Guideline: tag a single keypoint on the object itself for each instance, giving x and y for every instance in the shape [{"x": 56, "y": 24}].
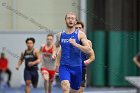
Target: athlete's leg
[
  {"x": 45, "y": 75},
  {"x": 76, "y": 79},
  {"x": 81, "y": 90},
  {"x": 84, "y": 80},
  {"x": 46, "y": 86},
  {"x": 27, "y": 86},
  {"x": 27, "y": 78},
  {"x": 51, "y": 78},
  {"x": 46, "y": 82},
  {"x": 65, "y": 86},
  {"x": 34, "y": 78},
  {"x": 50, "y": 86},
  {"x": 64, "y": 76}
]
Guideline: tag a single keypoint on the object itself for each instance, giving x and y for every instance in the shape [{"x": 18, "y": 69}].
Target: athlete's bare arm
[
  {"x": 40, "y": 50},
  {"x": 91, "y": 55},
  {"x": 38, "y": 57},
  {"x": 57, "y": 43},
  {"x": 58, "y": 59},
  {"x": 20, "y": 61},
  {"x": 85, "y": 46},
  {"x": 54, "y": 52},
  {"x": 135, "y": 59},
  {"x": 90, "y": 43}
]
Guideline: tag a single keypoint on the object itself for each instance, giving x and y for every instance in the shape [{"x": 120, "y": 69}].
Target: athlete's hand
[
  {"x": 30, "y": 64},
  {"x": 87, "y": 62},
  {"x": 72, "y": 41},
  {"x": 53, "y": 57}
]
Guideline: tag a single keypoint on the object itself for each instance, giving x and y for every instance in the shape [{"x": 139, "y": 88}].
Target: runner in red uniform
[{"x": 48, "y": 63}]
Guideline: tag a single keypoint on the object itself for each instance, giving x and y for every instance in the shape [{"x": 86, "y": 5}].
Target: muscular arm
[
  {"x": 57, "y": 43},
  {"x": 135, "y": 59},
  {"x": 90, "y": 43},
  {"x": 37, "y": 54},
  {"x": 91, "y": 57},
  {"x": 20, "y": 61},
  {"x": 54, "y": 52},
  {"x": 40, "y": 50},
  {"x": 85, "y": 46},
  {"x": 58, "y": 57}
]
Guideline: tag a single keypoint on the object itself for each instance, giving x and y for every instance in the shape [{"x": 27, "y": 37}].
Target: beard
[{"x": 70, "y": 26}]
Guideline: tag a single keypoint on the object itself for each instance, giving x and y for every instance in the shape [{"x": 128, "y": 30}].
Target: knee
[
  {"x": 81, "y": 90},
  {"x": 45, "y": 75},
  {"x": 65, "y": 85},
  {"x": 28, "y": 83}
]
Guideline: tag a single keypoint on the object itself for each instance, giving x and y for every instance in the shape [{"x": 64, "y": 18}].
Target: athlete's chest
[
  {"x": 47, "y": 52},
  {"x": 65, "y": 39},
  {"x": 28, "y": 56}
]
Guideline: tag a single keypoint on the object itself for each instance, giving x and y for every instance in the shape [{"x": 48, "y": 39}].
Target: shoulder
[
  {"x": 23, "y": 52},
  {"x": 43, "y": 45},
  {"x": 81, "y": 35},
  {"x": 58, "y": 34},
  {"x": 36, "y": 51}
]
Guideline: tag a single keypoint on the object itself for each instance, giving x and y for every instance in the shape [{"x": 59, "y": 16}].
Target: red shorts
[{"x": 50, "y": 72}]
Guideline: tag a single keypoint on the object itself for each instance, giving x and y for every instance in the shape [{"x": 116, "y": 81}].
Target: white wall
[
  {"x": 14, "y": 44},
  {"x": 49, "y": 13}
]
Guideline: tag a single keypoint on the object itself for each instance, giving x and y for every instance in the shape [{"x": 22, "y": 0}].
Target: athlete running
[
  {"x": 70, "y": 70},
  {"x": 32, "y": 59},
  {"x": 48, "y": 62}
]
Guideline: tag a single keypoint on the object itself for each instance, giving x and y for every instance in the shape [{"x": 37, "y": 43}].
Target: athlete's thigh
[
  {"x": 27, "y": 75},
  {"x": 76, "y": 77},
  {"x": 35, "y": 77},
  {"x": 64, "y": 73},
  {"x": 45, "y": 73}
]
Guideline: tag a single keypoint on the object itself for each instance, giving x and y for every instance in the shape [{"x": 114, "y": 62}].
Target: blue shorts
[
  {"x": 71, "y": 73},
  {"x": 31, "y": 75}
]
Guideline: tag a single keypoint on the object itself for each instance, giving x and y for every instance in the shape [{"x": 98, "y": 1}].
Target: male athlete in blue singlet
[
  {"x": 70, "y": 70},
  {"x": 32, "y": 58},
  {"x": 86, "y": 59}
]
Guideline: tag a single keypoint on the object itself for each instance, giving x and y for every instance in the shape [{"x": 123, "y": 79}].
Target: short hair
[
  {"x": 50, "y": 35},
  {"x": 72, "y": 13},
  {"x": 81, "y": 23},
  {"x": 30, "y": 38}
]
